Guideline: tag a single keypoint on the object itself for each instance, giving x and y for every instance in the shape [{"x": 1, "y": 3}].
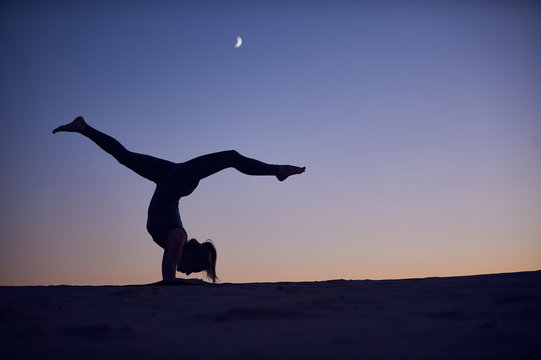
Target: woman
[{"x": 174, "y": 181}]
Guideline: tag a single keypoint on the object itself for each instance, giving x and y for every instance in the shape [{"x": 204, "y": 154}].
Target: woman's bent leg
[{"x": 206, "y": 165}]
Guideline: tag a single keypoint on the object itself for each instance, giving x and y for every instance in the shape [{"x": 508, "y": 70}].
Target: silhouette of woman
[{"x": 173, "y": 181}]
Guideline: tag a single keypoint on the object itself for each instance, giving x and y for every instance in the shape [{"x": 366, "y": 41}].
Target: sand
[{"x": 472, "y": 317}]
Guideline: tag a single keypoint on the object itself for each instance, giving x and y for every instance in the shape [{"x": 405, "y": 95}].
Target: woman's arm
[
  {"x": 179, "y": 281},
  {"x": 174, "y": 245}
]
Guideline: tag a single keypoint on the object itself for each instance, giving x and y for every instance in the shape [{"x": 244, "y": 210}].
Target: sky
[{"x": 419, "y": 123}]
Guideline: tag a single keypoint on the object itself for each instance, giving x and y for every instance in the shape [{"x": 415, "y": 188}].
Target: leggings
[{"x": 154, "y": 169}]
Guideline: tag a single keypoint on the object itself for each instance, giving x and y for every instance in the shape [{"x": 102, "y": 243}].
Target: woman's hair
[
  {"x": 206, "y": 254},
  {"x": 211, "y": 256}
]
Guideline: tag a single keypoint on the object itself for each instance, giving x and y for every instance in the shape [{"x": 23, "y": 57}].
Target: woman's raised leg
[
  {"x": 147, "y": 166},
  {"x": 206, "y": 165}
]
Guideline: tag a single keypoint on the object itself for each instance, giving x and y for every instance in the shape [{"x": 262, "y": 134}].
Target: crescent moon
[{"x": 239, "y": 42}]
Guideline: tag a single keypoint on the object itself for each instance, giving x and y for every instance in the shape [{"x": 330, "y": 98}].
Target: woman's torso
[{"x": 163, "y": 211}]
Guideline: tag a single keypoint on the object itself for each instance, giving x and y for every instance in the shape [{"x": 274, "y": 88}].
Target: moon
[{"x": 239, "y": 42}]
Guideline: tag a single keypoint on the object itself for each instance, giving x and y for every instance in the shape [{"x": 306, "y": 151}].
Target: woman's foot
[
  {"x": 285, "y": 171},
  {"x": 76, "y": 125}
]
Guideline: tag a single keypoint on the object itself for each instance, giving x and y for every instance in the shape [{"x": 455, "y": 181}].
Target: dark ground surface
[{"x": 472, "y": 317}]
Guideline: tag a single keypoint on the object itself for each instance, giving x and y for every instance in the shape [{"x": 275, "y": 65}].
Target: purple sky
[{"x": 419, "y": 124}]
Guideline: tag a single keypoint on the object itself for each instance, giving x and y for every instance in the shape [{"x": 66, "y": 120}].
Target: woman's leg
[
  {"x": 147, "y": 166},
  {"x": 206, "y": 165}
]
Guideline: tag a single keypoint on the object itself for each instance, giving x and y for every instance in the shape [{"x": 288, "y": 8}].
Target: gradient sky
[{"x": 419, "y": 123}]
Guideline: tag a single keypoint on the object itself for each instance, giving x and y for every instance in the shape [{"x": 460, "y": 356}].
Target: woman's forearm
[{"x": 171, "y": 256}]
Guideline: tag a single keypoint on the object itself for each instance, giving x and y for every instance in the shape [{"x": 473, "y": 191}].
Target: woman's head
[{"x": 198, "y": 257}]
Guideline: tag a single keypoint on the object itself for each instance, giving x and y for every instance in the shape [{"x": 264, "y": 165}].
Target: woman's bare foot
[
  {"x": 76, "y": 125},
  {"x": 286, "y": 171}
]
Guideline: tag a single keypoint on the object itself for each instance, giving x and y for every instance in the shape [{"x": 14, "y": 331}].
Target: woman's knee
[
  {"x": 124, "y": 157},
  {"x": 233, "y": 157},
  {"x": 233, "y": 153}
]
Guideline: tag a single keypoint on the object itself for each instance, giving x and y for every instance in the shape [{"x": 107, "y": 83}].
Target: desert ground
[{"x": 471, "y": 317}]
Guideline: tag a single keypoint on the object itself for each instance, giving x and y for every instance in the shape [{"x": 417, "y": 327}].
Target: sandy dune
[{"x": 474, "y": 317}]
